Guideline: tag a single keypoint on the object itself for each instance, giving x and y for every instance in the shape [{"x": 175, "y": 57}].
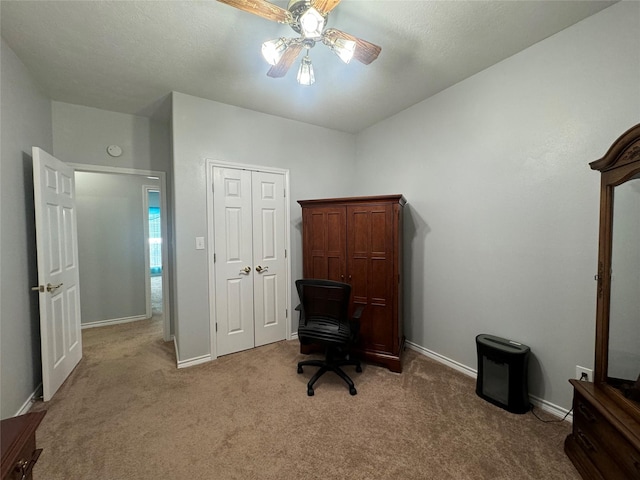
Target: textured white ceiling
[{"x": 126, "y": 56}]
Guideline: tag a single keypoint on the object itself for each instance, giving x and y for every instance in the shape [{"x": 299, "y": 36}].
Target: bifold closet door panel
[
  {"x": 270, "y": 266},
  {"x": 233, "y": 237}
]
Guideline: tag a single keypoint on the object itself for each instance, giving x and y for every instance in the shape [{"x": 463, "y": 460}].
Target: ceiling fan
[{"x": 309, "y": 19}]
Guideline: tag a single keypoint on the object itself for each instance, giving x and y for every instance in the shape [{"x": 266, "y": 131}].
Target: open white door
[{"x": 58, "y": 281}]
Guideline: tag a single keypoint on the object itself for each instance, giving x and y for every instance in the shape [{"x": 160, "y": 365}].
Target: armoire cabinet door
[
  {"x": 324, "y": 232},
  {"x": 370, "y": 272}
]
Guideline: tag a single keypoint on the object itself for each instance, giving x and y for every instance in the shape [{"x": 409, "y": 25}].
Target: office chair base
[{"x": 333, "y": 366}]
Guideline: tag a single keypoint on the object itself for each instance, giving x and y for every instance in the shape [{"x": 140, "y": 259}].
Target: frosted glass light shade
[
  {"x": 273, "y": 50},
  {"x": 311, "y": 23},
  {"x": 344, "y": 49},
  {"x": 305, "y": 72}
]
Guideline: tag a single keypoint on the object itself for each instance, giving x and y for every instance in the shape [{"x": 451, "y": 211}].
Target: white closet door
[
  {"x": 269, "y": 281},
  {"x": 234, "y": 263},
  {"x": 250, "y": 265}
]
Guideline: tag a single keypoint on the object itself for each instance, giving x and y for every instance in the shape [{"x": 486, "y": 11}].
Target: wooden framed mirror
[
  {"x": 605, "y": 441},
  {"x": 617, "y": 356}
]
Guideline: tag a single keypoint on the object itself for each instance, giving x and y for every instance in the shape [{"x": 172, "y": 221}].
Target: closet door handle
[
  {"x": 261, "y": 269},
  {"x": 246, "y": 270}
]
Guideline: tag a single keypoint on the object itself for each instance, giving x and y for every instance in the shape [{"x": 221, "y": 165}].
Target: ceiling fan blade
[
  {"x": 281, "y": 68},
  {"x": 324, "y": 6},
  {"x": 366, "y": 52},
  {"x": 262, "y": 8}
]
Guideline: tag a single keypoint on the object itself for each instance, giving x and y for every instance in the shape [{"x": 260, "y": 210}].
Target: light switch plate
[{"x": 199, "y": 243}]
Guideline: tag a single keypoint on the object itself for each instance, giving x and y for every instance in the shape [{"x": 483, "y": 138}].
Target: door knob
[
  {"x": 246, "y": 270},
  {"x": 49, "y": 288},
  {"x": 261, "y": 269},
  {"x": 53, "y": 288}
]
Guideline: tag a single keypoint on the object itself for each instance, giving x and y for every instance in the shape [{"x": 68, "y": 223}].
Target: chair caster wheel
[
  {"x": 358, "y": 369},
  {"x": 353, "y": 390},
  {"x": 310, "y": 392},
  {"x": 299, "y": 369}
]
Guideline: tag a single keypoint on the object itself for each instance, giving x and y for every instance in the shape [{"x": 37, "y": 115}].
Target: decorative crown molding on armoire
[{"x": 358, "y": 240}]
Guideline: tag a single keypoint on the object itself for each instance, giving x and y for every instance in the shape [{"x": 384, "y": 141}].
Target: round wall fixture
[{"x": 114, "y": 150}]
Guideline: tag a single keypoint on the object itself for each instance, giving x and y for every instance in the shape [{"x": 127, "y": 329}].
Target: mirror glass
[{"x": 624, "y": 311}]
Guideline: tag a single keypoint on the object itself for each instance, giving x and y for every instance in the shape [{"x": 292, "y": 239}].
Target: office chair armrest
[
  {"x": 358, "y": 313},
  {"x": 354, "y": 322}
]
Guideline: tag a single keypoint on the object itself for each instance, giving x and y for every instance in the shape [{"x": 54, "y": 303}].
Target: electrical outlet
[{"x": 583, "y": 373}]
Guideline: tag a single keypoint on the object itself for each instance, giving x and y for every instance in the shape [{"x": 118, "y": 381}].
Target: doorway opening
[
  {"x": 147, "y": 189},
  {"x": 153, "y": 236}
]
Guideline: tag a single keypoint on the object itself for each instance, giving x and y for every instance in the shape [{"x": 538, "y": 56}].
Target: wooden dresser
[
  {"x": 19, "y": 453},
  {"x": 358, "y": 240},
  {"x": 604, "y": 443}
]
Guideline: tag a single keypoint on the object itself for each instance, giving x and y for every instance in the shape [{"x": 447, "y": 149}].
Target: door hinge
[
  {"x": 214, "y": 258},
  {"x": 216, "y": 327},
  {"x": 285, "y": 253},
  {"x": 212, "y": 188},
  {"x": 286, "y": 313}
]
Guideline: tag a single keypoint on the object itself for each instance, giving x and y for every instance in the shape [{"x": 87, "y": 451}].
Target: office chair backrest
[{"x": 324, "y": 299}]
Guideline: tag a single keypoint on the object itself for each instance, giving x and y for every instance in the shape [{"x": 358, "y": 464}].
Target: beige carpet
[{"x": 126, "y": 412}]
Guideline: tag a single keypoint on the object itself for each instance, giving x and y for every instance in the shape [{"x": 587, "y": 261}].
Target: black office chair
[{"x": 324, "y": 320}]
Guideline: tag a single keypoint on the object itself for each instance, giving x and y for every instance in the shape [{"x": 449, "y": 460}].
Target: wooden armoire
[{"x": 358, "y": 240}]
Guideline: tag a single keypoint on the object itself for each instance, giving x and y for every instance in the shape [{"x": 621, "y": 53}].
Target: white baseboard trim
[
  {"x": 175, "y": 346},
  {"x": 442, "y": 359},
  {"x": 113, "y": 321},
  {"x": 293, "y": 336},
  {"x": 191, "y": 362},
  {"x": 551, "y": 408},
  {"x": 538, "y": 402},
  {"x": 26, "y": 406}
]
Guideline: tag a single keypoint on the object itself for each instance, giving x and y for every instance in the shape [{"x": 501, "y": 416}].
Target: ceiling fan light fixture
[
  {"x": 272, "y": 50},
  {"x": 305, "y": 72},
  {"x": 311, "y": 23},
  {"x": 344, "y": 49}
]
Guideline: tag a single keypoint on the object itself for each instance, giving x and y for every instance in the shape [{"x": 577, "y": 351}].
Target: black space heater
[{"x": 502, "y": 373}]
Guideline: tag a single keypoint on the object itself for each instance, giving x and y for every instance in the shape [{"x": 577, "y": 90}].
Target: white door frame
[
  {"x": 210, "y": 164},
  {"x": 162, "y": 179}
]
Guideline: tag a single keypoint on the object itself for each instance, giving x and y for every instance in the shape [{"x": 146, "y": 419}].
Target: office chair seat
[{"x": 324, "y": 321}]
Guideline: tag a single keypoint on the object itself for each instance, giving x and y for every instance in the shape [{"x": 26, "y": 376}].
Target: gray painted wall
[
  {"x": 111, "y": 246},
  {"x": 25, "y": 122},
  {"x": 82, "y": 135},
  {"x": 501, "y": 234},
  {"x": 320, "y": 163}
]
